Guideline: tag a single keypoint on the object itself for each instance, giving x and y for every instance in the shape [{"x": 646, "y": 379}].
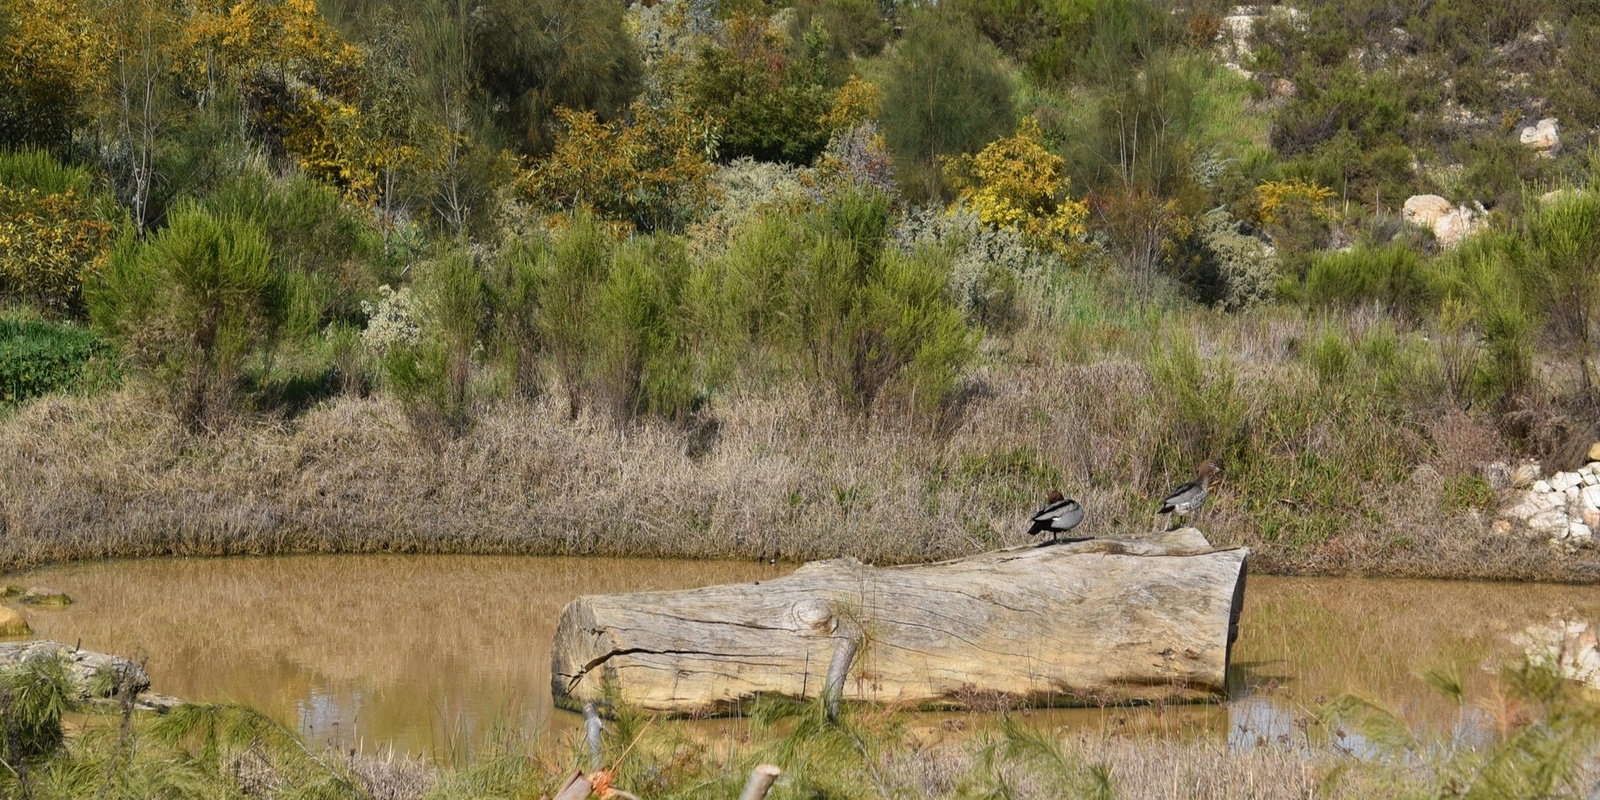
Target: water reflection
[{"x": 429, "y": 653}]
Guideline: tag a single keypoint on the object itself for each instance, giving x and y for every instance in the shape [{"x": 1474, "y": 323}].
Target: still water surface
[{"x": 427, "y": 654}]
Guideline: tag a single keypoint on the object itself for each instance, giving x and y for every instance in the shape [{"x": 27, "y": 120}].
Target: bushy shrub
[
  {"x": 1391, "y": 276},
  {"x": 770, "y": 102},
  {"x": 996, "y": 278},
  {"x": 569, "y": 287},
  {"x": 431, "y": 376},
  {"x": 1228, "y": 267},
  {"x": 872, "y": 316},
  {"x": 945, "y": 91},
  {"x": 643, "y": 364},
  {"x": 653, "y": 173},
  {"x": 742, "y": 189},
  {"x": 53, "y": 232},
  {"x": 1484, "y": 283},
  {"x": 195, "y": 302},
  {"x": 329, "y": 252},
  {"x": 1016, "y": 184},
  {"x": 37, "y": 358}
]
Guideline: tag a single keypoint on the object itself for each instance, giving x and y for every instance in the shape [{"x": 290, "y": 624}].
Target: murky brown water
[{"x": 429, "y": 653}]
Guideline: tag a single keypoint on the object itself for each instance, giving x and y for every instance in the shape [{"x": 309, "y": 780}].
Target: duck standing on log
[
  {"x": 1059, "y": 516},
  {"x": 1187, "y": 499}
]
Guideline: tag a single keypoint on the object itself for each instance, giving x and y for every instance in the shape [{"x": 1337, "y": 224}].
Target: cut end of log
[{"x": 1091, "y": 622}]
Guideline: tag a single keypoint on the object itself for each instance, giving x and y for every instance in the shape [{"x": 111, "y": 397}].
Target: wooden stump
[{"x": 1090, "y": 622}]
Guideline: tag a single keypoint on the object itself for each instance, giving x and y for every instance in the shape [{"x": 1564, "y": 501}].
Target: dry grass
[{"x": 786, "y": 474}]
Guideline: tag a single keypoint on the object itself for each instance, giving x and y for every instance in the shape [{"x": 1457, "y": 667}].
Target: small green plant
[
  {"x": 37, "y": 358},
  {"x": 1392, "y": 277}
]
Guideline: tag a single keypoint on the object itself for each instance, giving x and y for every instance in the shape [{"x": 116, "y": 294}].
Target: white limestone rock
[
  {"x": 1541, "y": 487},
  {"x": 1591, "y": 497},
  {"x": 1542, "y": 137}
]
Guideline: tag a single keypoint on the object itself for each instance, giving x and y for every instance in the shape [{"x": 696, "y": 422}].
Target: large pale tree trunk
[{"x": 1089, "y": 622}]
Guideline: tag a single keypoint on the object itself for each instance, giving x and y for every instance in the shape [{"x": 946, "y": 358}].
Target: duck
[
  {"x": 1185, "y": 500},
  {"x": 1059, "y": 516}
]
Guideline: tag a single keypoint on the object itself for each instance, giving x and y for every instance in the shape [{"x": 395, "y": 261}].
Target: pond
[{"x": 430, "y": 654}]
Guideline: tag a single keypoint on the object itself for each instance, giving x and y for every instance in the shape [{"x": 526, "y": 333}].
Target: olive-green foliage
[
  {"x": 514, "y": 287},
  {"x": 853, "y": 29},
  {"x": 1564, "y": 237},
  {"x": 1391, "y": 276},
  {"x": 1207, "y": 416},
  {"x": 432, "y": 377},
  {"x": 870, "y": 315},
  {"x": 1498, "y": 167},
  {"x": 1088, "y": 41},
  {"x": 1350, "y": 127},
  {"x": 54, "y": 231},
  {"x": 945, "y": 91},
  {"x": 531, "y": 58},
  {"x": 328, "y": 252},
  {"x": 831, "y": 295},
  {"x": 569, "y": 288},
  {"x": 644, "y": 365},
  {"x": 1485, "y": 281},
  {"x": 195, "y": 302},
  {"x": 37, "y": 358},
  {"x": 769, "y": 98},
  {"x": 1224, "y": 266}
]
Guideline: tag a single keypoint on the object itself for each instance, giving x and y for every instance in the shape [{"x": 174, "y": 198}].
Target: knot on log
[{"x": 814, "y": 614}]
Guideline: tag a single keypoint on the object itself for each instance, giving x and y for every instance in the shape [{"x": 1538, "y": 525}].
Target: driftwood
[{"x": 1087, "y": 622}]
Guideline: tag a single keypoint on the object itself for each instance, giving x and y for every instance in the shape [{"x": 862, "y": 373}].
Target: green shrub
[
  {"x": 945, "y": 91},
  {"x": 37, "y": 358},
  {"x": 1485, "y": 281},
  {"x": 34, "y": 696},
  {"x": 329, "y": 253},
  {"x": 1391, "y": 276},
  {"x": 643, "y": 365},
  {"x": 195, "y": 302},
  {"x": 1226, "y": 267},
  {"x": 770, "y": 102},
  {"x": 31, "y": 168},
  {"x": 569, "y": 285},
  {"x": 431, "y": 377}
]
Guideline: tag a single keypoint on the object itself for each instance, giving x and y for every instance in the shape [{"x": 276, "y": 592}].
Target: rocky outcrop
[
  {"x": 12, "y": 623},
  {"x": 97, "y": 676},
  {"x": 44, "y": 596},
  {"x": 1542, "y": 137},
  {"x": 1565, "y": 507},
  {"x": 1450, "y": 224}
]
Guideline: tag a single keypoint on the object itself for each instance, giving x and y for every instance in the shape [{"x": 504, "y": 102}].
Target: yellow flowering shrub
[
  {"x": 654, "y": 173},
  {"x": 49, "y": 243},
  {"x": 856, "y": 102},
  {"x": 1280, "y": 198},
  {"x": 50, "y": 68},
  {"x": 1015, "y": 183}
]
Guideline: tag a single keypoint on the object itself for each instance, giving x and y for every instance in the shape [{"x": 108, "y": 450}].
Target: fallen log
[{"x": 1091, "y": 622}]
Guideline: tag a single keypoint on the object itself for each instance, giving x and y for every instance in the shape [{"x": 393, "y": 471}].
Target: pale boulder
[
  {"x": 12, "y": 623},
  {"x": 1423, "y": 210},
  {"x": 1594, "y": 452},
  {"x": 1542, "y": 137},
  {"x": 1591, "y": 497}
]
